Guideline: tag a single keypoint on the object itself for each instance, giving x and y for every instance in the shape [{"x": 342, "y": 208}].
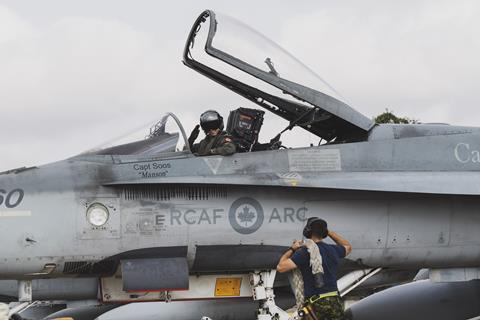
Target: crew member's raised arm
[
  {"x": 286, "y": 264},
  {"x": 340, "y": 241}
]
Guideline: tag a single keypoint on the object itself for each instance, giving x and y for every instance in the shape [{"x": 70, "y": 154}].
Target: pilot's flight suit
[{"x": 220, "y": 144}]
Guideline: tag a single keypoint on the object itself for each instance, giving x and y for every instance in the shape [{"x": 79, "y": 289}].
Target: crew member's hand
[
  {"x": 194, "y": 135},
  {"x": 275, "y": 143},
  {"x": 297, "y": 244},
  {"x": 338, "y": 239}
]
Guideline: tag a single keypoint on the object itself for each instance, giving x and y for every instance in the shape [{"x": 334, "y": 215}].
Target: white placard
[
  {"x": 314, "y": 160},
  {"x": 16, "y": 213}
]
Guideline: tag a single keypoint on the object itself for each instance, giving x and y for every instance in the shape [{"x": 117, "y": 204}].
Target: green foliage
[{"x": 389, "y": 117}]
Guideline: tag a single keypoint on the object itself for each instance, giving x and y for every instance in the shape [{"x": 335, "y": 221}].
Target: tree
[{"x": 389, "y": 117}]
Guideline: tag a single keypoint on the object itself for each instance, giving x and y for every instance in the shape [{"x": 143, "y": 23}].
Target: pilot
[
  {"x": 216, "y": 141},
  {"x": 318, "y": 269}
]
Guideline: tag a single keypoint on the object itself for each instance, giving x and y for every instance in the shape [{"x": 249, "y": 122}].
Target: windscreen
[{"x": 163, "y": 135}]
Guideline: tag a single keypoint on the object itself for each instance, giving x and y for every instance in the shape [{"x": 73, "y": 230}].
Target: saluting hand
[{"x": 194, "y": 135}]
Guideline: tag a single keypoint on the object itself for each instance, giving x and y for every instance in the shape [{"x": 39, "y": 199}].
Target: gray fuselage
[{"x": 407, "y": 202}]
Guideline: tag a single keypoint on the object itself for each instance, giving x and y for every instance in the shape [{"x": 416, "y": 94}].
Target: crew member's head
[
  {"x": 315, "y": 227},
  {"x": 211, "y": 122}
]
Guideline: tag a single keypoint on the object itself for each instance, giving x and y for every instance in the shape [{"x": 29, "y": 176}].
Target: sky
[{"x": 74, "y": 74}]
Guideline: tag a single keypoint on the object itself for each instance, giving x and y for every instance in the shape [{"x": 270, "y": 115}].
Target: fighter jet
[{"x": 147, "y": 220}]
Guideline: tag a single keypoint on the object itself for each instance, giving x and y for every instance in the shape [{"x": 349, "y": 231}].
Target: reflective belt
[{"x": 317, "y": 297}]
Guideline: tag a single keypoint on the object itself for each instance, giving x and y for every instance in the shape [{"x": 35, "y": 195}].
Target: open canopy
[{"x": 300, "y": 96}]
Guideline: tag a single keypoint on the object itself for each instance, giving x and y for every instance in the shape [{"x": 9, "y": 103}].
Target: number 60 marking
[{"x": 12, "y": 198}]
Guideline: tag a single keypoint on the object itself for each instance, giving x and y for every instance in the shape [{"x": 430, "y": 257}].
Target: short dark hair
[{"x": 320, "y": 228}]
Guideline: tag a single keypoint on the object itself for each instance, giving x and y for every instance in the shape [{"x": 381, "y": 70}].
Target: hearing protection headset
[{"x": 307, "y": 231}]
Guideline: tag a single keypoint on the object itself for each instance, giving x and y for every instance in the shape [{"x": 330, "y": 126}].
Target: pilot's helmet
[{"x": 211, "y": 119}]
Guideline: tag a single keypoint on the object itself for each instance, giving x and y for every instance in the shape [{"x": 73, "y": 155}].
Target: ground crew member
[
  {"x": 216, "y": 141},
  {"x": 324, "y": 301}
]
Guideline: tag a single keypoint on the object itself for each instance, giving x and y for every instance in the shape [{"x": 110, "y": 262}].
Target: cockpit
[
  {"x": 167, "y": 135},
  {"x": 248, "y": 63}
]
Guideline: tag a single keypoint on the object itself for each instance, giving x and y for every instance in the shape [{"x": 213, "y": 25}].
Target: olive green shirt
[{"x": 220, "y": 144}]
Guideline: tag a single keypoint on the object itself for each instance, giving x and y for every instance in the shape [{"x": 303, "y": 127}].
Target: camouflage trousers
[{"x": 328, "y": 308}]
